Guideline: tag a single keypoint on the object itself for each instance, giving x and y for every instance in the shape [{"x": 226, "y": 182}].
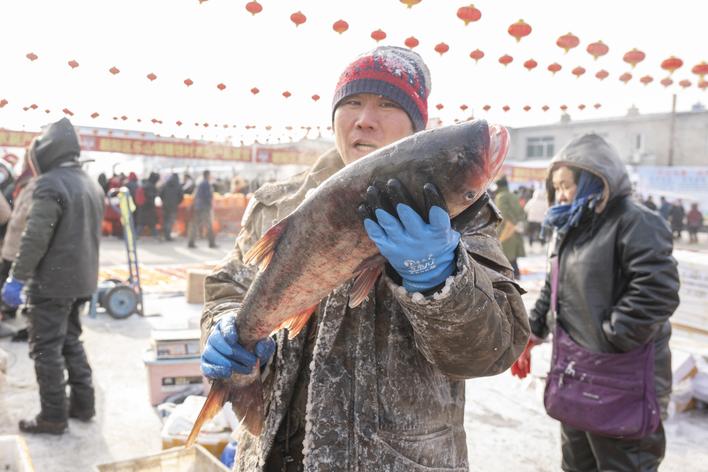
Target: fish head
[{"x": 473, "y": 153}]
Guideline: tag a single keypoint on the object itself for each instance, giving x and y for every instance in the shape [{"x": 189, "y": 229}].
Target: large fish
[{"x": 322, "y": 243}]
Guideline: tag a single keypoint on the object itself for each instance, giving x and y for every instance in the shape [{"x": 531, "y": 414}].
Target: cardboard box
[
  {"x": 175, "y": 343},
  {"x": 169, "y": 376},
  {"x": 14, "y": 455},
  {"x": 195, "y": 285},
  {"x": 179, "y": 459}
]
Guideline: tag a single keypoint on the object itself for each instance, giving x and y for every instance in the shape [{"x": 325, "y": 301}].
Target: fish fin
[
  {"x": 247, "y": 403},
  {"x": 296, "y": 323},
  {"x": 215, "y": 400},
  {"x": 366, "y": 275},
  {"x": 262, "y": 252}
]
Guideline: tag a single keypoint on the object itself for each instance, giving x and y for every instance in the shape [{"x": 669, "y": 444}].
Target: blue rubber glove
[
  {"x": 12, "y": 292},
  {"x": 223, "y": 355},
  {"x": 422, "y": 253}
]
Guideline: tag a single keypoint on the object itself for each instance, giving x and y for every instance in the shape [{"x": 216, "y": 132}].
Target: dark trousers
[
  {"x": 169, "y": 215},
  {"x": 201, "y": 218},
  {"x": 54, "y": 329},
  {"x": 586, "y": 452}
]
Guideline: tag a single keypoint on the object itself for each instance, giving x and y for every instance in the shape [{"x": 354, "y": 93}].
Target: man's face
[
  {"x": 366, "y": 122},
  {"x": 564, "y": 185}
]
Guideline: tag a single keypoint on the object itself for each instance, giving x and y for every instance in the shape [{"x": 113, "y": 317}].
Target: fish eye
[{"x": 469, "y": 196}]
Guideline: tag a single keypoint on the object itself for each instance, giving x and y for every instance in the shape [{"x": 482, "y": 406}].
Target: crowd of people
[
  {"x": 678, "y": 218},
  {"x": 153, "y": 192}
]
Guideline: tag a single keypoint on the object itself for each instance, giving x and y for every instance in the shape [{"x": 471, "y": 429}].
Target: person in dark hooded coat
[
  {"x": 171, "y": 194},
  {"x": 617, "y": 287},
  {"x": 65, "y": 219},
  {"x": 147, "y": 211}
]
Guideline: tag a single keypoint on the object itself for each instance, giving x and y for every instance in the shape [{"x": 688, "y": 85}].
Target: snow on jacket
[
  {"x": 386, "y": 387},
  {"x": 618, "y": 282}
]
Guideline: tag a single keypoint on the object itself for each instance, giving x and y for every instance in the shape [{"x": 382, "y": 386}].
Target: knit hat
[{"x": 396, "y": 73}]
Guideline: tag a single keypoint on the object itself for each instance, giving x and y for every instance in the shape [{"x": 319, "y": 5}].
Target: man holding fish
[{"x": 375, "y": 325}]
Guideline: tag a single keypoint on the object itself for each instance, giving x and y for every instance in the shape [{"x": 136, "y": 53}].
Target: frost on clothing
[{"x": 385, "y": 389}]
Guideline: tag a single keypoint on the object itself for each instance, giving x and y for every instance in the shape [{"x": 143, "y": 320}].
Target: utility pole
[{"x": 671, "y": 130}]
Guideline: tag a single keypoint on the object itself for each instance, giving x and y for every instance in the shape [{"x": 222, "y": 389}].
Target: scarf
[{"x": 567, "y": 216}]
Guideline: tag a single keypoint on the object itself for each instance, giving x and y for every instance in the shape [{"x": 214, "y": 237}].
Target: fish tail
[
  {"x": 247, "y": 402},
  {"x": 498, "y": 147},
  {"x": 215, "y": 400}
]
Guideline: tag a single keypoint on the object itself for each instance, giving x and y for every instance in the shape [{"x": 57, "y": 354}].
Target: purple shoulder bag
[{"x": 609, "y": 394}]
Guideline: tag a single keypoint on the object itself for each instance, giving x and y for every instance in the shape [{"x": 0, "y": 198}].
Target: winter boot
[{"x": 37, "y": 425}]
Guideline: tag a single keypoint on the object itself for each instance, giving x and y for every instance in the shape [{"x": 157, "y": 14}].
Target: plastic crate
[{"x": 179, "y": 459}]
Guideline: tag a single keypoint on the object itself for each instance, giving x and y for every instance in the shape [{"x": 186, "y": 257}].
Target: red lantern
[
  {"x": 647, "y": 79},
  {"x": 469, "y": 14},
  {"x": 581, "y": 107},
  {"x": 626, "y": 77},
  {"x": 564, "y": 107},
  {"x": 123, "y": 117},
  {"x": 3, "y": 102},
  {"x": 298, "y": 18},
  {"x": 188, "y": 82},
  {"x": 340, "y": 26},
  {"x": 486, "y": 107},
  {"x": 378, "y": 35},
  {"x": 634, "y": 57},
  {"x": 221, "y": 87},
  {"x": 411, "y": 42},
  {"x": 506, "y": 108},
  {"x": 519, "y": 30},
  {"x": 578, "y": 71},
  {"x": 700, "y": 69},
  {"x": 68, "y": 112},
  {"x": 555, "y": 67},
  {"x": 477, "y": 54},
  {"x": 34, "y": 106},
  {"x": 255, "y": 90},
  {"x": 685, "y": 83},
  {"x": 602, "y": 74},
  {"x": 530, "y": 64},
  {"x": 527, "y": 108},
  {"x": 567, "y": 42},
  {"x": 410, "y": 3},
  {"x": 151, "y": 76},
  {"x": 315, "y": 97},
  {"x": 114, "y": 70},
  {"x": 671, "y": 64},
  {"x": 666, "y": 81},
  {"x": 597, "y": 106},
  {"x": 178, "y": 123},
  {"x": 597, "y": 49},
  {"x": 94, "y": 115},
  {"x": 463, "y": 107},
  {"x": 441, "y": 48},
  {"x": 545, "y": 108},
  {"x": 439, "y": 106},
  {"x": 505, "y": 60},
  {"x": 73, "y": 64},
  {"x": 31, "y": 56},
  {"x": 286, "y": 94},
  {"x": 254, "y": 7},
  {"x": 703, "y": 84}
]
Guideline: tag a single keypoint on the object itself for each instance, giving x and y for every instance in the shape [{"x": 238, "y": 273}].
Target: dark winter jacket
[
  {"x": 379, "y": 387},
  {"x": 203, "y": 196},
  {"x": 618, "y": 283},
  {"x": 64, "y": 221},
  {"x": 171, "y": 193},
  {"x": 147, "y": 212}
]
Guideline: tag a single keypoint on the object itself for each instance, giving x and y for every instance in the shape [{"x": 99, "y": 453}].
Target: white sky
[{"x": 219, "y": 41}]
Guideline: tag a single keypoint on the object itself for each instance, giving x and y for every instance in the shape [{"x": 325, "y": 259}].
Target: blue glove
[
  {"x": 223, "y": 355},
  {"x": 12, "y": 292},
  {"x": 422, "y": 253}
]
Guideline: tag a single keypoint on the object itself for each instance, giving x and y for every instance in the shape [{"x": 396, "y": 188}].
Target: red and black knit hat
[{"x": 396, "y": 73}]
